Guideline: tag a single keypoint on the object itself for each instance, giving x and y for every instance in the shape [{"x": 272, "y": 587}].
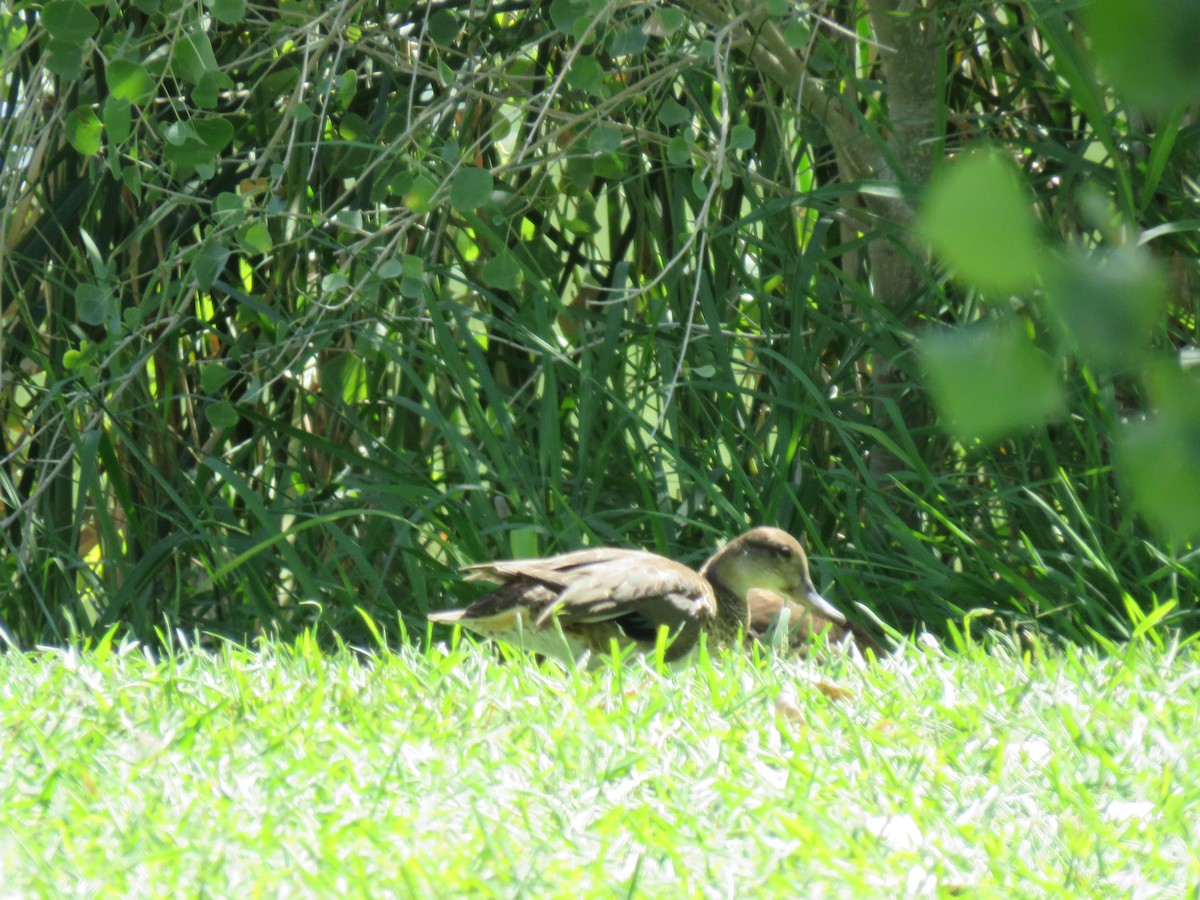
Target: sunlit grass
[{"x": 447, "y": 773}]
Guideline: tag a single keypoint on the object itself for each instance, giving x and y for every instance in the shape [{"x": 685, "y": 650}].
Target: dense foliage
[{"x": 304, "y": 304}]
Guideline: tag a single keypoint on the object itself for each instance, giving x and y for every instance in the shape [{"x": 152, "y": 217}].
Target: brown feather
[
  {"x": 804, "y": 625},
  {"x": 582, "y": 601}
]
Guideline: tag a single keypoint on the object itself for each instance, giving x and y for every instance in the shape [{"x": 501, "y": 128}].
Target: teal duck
[{"x": 578, "y": 604}]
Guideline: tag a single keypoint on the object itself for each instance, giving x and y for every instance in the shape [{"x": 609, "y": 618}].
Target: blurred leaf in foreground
[
  {"x": 979, "y": 220},
  {"x": 1148, "y": 49},
  {"x": 1108, "y": 304},
  {"x": 989, "y": 380},
  {"x": 1160, "y": 456}
]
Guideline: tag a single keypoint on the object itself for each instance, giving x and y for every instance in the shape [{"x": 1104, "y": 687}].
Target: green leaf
[
  {"x": 989, "y": 380},
  {"x": 353, "y": 127},
  {"x": 587, "y": 75},
  {"x": 70, "y": 22},
  {"x": 93, "y": 303},
  {"x": 84, "y": 130},
  {"x": 502, "y": 271},
  {"x": 214, "y": 376},
  {"x": 978, "y": 218},
  {"x": 197, "y": 143},
  {"x": 451, "y": 150},
  {"x": 584, "y": 223},
  {"x": 443, "y": 27},
  {"x": 672, "y": 113},
  {"x": 227, "y": 12},
  {"x": 1159, "y": 458},
  {"x": 215, "y": 132},
  {"x": 563, "y": 14},
  {"x": 579, "y": 172},
  {"x": 608, "y": 165},
  {"x": 471, "y": 188},
  {"x": 1108, "y": 304},
  {"x": 221, "y": 414},
  {"x": 1148, "y": 49},
  {"x": 187, "y": 156},
  {"x": 129, "y": 81},
  {"x": 797, "y": 35},
  {"x": 228, "y": 209},
  {"x": 118, "y": 119},
  {"x": 742, "y": 137},
  {"x": 420, "y": 195},
  {"x": 389, "y": 268},
  {"x": 414, "y": 266},
  {"x": 343, "y": 378},
  {"x": 192, "y": 56},
  {"x": 665, "y": 21},
  {"x": 604, "y": 139},
  {"x": 401, "y": 182},
  {"x": 209, "y": 264},
  {"x": 332, "y": 282},
  {"x": 412, "y": 288},
  {"x": 629, "y": 42},
  {"x": 179, "y": 133},
  {"x": 256, "y": 238},
  {"x": 13, "y": 32},
  {"x": 208, "y": 89},
  {"x": 679, "y": 151},
  {"x": 65, "y": 59},
  {"x": 131, "y": 176}
]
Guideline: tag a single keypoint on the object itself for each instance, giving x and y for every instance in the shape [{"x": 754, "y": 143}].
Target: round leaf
[
  {"x": 587, "y": 75},
  {"x": 70, "y": 22},
  {"x": 471, "y": 188},
  {"x": 979, "y": 220},
  {"x": 443, "y": 27},
  {"x": 1108, "y": 304},
  {"x": 502, "y": 271},
  {"x": 129, "y": 81},
  {"x": 221, "y": 414},
  {"x": 213, "y": 377},
  {"x": 990, "y": 380},
  {"x": 604, "y": 139},
  {"x": 93, "y": 303},
  {"x": 227, "y": 12},
  {"x": 84, "y": 130},
  {"x": 256, "y": 238},
  {"x": 742, "y": 137},
  {"x": 1148, "y": 49}
]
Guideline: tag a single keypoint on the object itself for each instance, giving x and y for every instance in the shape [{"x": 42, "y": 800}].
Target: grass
[{"x": 292, "y": 770}]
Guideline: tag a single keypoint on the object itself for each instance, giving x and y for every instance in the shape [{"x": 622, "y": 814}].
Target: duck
[{"x": 574, "y": 606}]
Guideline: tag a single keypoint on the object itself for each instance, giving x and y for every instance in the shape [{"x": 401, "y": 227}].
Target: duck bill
[{"x": 823, "y": 607}]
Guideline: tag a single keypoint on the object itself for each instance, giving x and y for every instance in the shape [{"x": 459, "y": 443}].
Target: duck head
[{"x": 765, "y": 561}]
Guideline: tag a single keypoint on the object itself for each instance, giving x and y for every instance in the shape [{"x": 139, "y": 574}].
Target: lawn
[{"x": 291, "y": 770}]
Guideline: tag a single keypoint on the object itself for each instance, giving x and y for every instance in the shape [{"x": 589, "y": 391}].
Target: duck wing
[
  {"x": 597, "y": 594},
  {"x": 551, "y": 570},
  {"x": 633, "y": 584}
]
